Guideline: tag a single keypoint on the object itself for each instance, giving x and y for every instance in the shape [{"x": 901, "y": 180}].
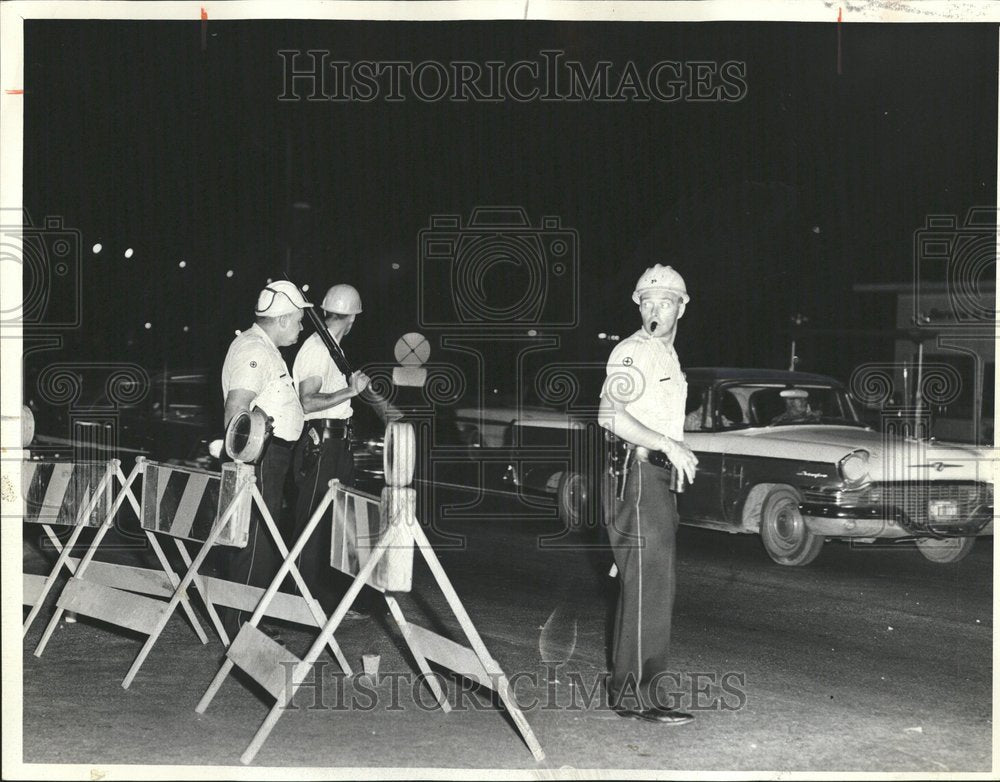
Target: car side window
[{"x": 694, "y": 409}]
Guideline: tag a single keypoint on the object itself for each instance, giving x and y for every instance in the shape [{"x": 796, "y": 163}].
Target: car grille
[{"x": 914, "y": 498}]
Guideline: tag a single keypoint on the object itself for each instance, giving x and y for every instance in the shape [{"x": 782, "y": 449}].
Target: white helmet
[
  {"x": 343, "y": 300},
  {"x": 660, "y": 278}
]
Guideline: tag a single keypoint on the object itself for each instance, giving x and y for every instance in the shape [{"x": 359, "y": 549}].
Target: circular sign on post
[
  {"x": 400, "y": 454},
  {"x": 412, "y": 350},
  {"x": 246, "y": 435}
]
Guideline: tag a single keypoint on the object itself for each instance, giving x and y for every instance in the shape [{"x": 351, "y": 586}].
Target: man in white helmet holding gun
[
  {"x": 326, "y": 389},
  {"x": 642, "y": 403}
]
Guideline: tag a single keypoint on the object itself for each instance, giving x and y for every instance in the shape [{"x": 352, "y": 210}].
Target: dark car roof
[{"x": 713, "y": 374}]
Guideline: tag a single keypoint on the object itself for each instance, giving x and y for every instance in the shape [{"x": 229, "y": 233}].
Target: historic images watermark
[
  {"x": 316, "y": 75},
  {"x": 553, "y": 688}
]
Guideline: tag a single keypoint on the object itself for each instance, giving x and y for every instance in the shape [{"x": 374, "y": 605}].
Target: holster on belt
[{"x": 621, "y": 456}]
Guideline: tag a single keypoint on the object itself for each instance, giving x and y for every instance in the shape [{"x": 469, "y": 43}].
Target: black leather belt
[
  {"x": 332, "y": 428},
  {"x": 655, "y": 458}
]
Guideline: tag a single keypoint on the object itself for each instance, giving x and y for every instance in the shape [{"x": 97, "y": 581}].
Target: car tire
[
  {"x": 786, "y": 538},
  {"x": 945, "y": 551},
  {"x": 573, "y": 496}
]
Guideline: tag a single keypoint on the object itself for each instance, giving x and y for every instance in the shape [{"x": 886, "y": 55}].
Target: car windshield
[{"x": 742, "y": 405}]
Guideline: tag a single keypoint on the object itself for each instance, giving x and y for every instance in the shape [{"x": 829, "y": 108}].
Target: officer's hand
[
  {"x": 681, "y": 457},
  {"x": 359, "y": 382}
]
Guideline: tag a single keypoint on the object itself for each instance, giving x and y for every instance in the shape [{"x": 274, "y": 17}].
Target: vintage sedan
[{"x": 784, "y": 455}]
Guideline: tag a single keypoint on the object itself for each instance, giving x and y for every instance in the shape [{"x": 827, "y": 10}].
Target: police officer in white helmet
[
  {"x": 324, "y": 449},
  {"x": 642, "y": 403},
  {"x": 254, "y": 375}
]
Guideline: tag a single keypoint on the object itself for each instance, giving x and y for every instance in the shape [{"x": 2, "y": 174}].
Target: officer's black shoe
[{"x": 662, "y": 716}]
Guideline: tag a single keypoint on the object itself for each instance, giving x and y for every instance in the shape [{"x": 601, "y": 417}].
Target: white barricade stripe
[
  {"x": 454, "y": 656},
  {"x": 359, "y": 523},
  {"x": 124, "y": 609},
  {"x": 184, "y": 502},
  {"x": 55, "y": 492},
  {"x": 27, "y": 473},
  {"x": 187, "y": 509},
  {"x": 268, "y": 663}
]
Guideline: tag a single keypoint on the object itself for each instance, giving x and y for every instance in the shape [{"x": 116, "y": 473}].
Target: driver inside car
[{"x": 797, "y": 410}]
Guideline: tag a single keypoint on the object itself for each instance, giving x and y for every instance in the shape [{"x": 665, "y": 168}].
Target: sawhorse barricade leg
[{"x": 287, "y": 566}]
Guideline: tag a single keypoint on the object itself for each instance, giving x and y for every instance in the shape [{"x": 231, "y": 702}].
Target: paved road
[{"x": 868, "y": 659}]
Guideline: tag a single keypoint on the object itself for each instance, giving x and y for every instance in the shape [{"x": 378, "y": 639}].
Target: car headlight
[{"x": 853, "y": 468}]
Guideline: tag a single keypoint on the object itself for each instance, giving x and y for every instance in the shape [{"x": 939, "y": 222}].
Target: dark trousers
[
  {"x": 314, "y": 469},
  {"x": 643, "y": 539},
  {"x": 257, "y": 563}
]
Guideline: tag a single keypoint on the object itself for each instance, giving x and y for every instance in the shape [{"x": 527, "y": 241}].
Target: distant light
[
  {"x": 301, "y": 205},
  {"x": 185, "y": 329},
  {"x": 269, "y": 280},
  {"x": 148, "y": 325},
  {"x": 602, "y": 335},
  {"x": 305, "y": 288},
  {"x": 128, "y": 253},
  {"x": 815, "y": 229},
  {"x": 237, "y": 332},
  {"x": 395, "y": 266},
  {"x": 97, "y": 248},
  {"x": 183, "y": 264},
  {"x": 532, "y": 333},
  {"x": 229, "y": 273}
]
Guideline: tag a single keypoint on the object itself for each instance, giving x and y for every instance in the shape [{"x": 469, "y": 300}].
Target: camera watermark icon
[
  {"x": 498, "y": 272},
  {"x": 47, "y": 259},
  {"x": 955, "y": 270}
]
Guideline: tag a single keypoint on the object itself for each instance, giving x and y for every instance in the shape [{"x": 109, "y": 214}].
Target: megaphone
[{"x": 247, "y": 434}]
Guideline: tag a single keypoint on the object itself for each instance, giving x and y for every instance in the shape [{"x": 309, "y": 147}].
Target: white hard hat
[
  {"x": 280, "y": 298},
  {"x": 343, "y": 300},
  {"x": 660, "y": 278}
]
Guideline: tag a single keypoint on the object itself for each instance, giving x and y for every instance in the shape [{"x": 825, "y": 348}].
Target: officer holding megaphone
[{"x": 256, "y": 378}]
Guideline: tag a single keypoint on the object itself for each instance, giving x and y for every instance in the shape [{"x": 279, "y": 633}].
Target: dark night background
[{"x": 770, "y": 206}]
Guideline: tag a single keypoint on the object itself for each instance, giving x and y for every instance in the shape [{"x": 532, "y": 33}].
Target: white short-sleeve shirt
[
  {"x": 645, "y": 375},
  {"x": 254, "y": 363},
  {"x": 314, "y": 360}
]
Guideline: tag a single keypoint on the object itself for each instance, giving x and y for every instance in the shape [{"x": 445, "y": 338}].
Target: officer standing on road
[
  {"x": 642, "y": 402},
  {"x": 324, "y": 449},
  {"x": 254, "y": 375}
]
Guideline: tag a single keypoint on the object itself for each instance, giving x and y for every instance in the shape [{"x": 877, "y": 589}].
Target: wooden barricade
[
  {"x": 63, "y": 493},
  {"x": 185, "y": 504},
  {"x": 118, "y": 594},
  {"x": 373, "y": 540},
  {"x": 180, "y": 515}
]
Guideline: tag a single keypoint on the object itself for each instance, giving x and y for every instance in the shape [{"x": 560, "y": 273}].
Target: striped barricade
[
  {"x": 213, "y": 509},
  {"x": 121, "y": 595},
  {"x": 373, "y": 540},
  {"x": 63, "y": 494}
]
